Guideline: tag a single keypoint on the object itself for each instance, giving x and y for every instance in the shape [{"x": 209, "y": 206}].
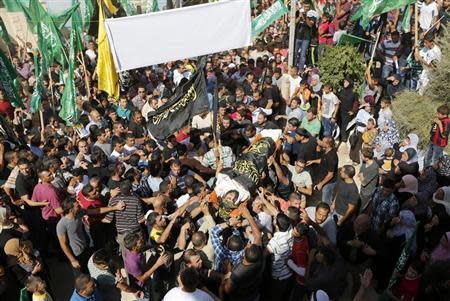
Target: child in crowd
[
  {"x": 36, "y": 286},
  {"x": 438, "y": 136}
]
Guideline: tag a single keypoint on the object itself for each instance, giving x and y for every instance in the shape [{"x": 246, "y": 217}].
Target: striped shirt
[
  {"x": 388, "y": 48},
  {"x": 281, "y": 247},
  {"x": 128, "y": 219}
]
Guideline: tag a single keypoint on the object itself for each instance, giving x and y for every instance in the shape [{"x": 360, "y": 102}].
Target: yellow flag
[
  {"x": 108, "y": 80},
  {"x": 112, "y": 9}
]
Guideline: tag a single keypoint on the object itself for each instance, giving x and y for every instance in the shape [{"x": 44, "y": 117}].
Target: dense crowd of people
[{"x": 344, "y": 209}]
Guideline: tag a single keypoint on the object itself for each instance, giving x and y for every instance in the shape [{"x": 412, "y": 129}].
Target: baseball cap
[{"x": 312, "y": 14}]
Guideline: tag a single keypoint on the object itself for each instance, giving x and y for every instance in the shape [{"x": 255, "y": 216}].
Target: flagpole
[
  {"x": 374, "y": 50},
  {"x": 416, "y": 24},
  {"x": 41, "y": 117},
  {"x": 86, "y": 80},
  {"x": 292, "y": 34},
  {"x": 51, "y": 90}
]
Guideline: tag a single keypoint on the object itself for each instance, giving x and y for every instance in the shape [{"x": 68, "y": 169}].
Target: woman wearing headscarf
[
  {"x": 408, "y": 164},
  {"x": 349, "y": 106},
  {"x": 404, "y": 226},
  {"x": 418, "y": 203},
  {"x": 408, "y": 187}
]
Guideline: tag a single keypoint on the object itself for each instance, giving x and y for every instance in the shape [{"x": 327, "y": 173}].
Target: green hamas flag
[
  {"x": 350, "y": 40},
  {"x": 77, "y": 26},
  {"x": 372, "y": 8},
  {"x": 39, "y": 85},
  {"x": 9, "y": 81},
  {"x": 152, "y": 6},
  {"x": 68, "y": 100},
  {"x": 40, "y": 69},
  {"x": 87, "y": 11},
  {"x": 4, "y": 33},
  {"x": 61, "y": 19},
  {"x": 52, "y": 44},
  {"x": 268, "y": 16},
  {"x": 129, "y": 8},
  {"x": 406, "y": 21},
  {"x": 13, "y": 6}
]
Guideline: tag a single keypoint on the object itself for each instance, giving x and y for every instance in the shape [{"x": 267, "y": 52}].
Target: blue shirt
[
  {"x": 94, "y": 297},
  {"x": 221, "y": 252},
  {"x": 123, "y": 113}
]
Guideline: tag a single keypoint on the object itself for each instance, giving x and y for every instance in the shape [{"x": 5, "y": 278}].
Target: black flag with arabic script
[{"x": 189, "y": 100}]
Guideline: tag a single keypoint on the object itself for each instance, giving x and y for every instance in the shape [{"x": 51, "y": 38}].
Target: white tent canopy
[{"x": 160, "y": 37}]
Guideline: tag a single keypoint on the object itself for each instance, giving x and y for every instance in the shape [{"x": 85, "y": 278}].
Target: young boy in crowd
[{"x": 438, "y": 136}]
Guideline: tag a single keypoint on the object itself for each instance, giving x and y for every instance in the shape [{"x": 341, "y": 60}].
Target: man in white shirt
[
  {"x": 428, "y": 56},
  {"x": 330, "y": 107},
  {"x": 300, "y": 177},
  {"x": 263, "y": 219},
  {"x": 179, "y": 74},
  {"x": 202, "y": 121},
  {"x": 428, "y": 14},
  {"x": 187, "y": 290},
  {"x": 294, "y": 81},
  {"x": 319, "y": 218}
]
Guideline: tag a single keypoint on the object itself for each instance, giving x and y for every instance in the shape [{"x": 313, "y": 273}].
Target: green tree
[
  {"x": 340, "y": 62},
  {"x": 414, "y": 112}
]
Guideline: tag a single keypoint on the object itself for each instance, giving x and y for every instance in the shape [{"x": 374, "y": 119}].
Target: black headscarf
[{"x": 347, "y": 96}]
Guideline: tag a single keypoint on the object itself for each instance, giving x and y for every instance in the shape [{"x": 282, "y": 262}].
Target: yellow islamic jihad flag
[{"x": 108, "y": 80}]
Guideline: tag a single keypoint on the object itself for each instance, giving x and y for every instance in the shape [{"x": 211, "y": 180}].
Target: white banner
[{"x": 169, "y": 35}]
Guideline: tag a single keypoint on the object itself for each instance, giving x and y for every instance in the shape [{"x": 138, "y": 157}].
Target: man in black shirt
[
  {"x": 305, "y": 32},
  {"x": 25, "y": 182},
  {"x": 346, "y": 196},
  {"x": 137, "y": 128},
  {"x": 306, "y": 148},
  {"x": 328, "y": 168}
]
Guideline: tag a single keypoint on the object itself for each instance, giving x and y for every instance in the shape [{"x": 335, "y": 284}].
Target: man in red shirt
[{"x": 299, "y": 260}]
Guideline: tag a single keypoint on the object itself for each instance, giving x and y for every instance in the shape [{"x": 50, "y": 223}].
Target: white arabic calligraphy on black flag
[{"x": 189, "y": 100}]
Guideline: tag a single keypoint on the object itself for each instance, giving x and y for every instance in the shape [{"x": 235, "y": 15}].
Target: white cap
[
  {"x": 312, "y": 14},
  {"x": 231, "y": 65}
]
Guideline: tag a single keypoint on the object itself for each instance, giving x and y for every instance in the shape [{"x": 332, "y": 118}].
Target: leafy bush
[
  {"x": 340, "y": 62},
  {"x": 415, "y": 113},
  {"x": 439, "y": 89}
]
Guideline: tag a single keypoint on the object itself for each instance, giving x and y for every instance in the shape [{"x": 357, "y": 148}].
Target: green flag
[
  {"x": 38, "y": 91},
  {"x": 129, "y": 8},
  {"x": 39, "y": 69},
  {"x": 372, "y": 8},
  {"x": 267, "y": 17},
  {"x": 9, "y": 81},
  {"x": 14, "y": 5},
  {"x": 350, "y": 40},
  {"x": 152, "y": 6},
  {"x": 52, "y": 45},
  {"x": 77, "y": 26},
  {"x": 87, "y": 11},
  {"x": 68, "y": 100},
  {"x": 4, "y": 33},
  {"x": 406, "y": 21},
  {"x": 61, "y": 18}
]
